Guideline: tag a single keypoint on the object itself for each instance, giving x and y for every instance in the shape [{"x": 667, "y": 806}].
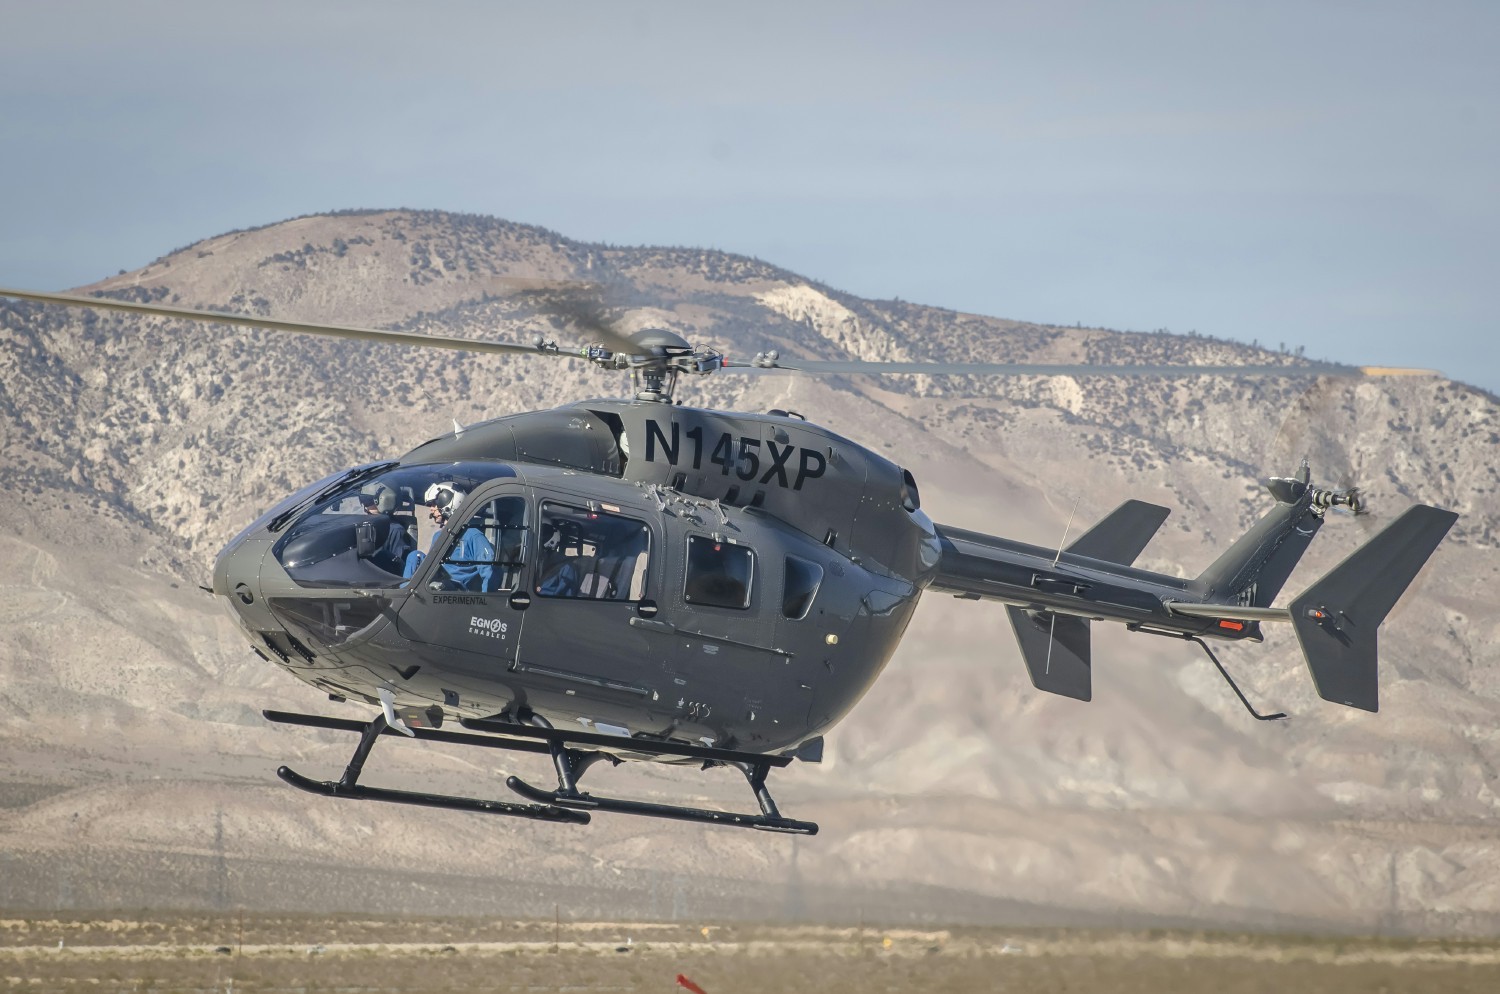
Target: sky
[{"x": 1323, "y": 175}]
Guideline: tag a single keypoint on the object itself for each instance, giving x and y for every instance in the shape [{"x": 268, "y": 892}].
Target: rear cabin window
[
  {"x": 591, "y": 555},
  {"x": 718, "y": 574},
  {"x": 802, "y": 580}
]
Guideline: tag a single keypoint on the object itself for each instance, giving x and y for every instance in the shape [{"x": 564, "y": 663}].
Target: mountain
[{"x": 139, "y": 773}]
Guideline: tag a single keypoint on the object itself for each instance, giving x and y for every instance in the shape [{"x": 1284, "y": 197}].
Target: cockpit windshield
[{"x": 368, "y": 533}]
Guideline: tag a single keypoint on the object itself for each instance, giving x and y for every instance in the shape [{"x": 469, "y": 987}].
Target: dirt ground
[{"x": 258, "y": 953}]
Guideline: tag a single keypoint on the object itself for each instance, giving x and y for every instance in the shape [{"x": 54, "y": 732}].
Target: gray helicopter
[{"x": 635, "y": 580}]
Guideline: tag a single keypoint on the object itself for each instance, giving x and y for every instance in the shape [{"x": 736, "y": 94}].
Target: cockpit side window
[
  {"x": 365, "y": 534},
  {"x": 591, "y": 554},
  {"x": 488, "y": 551},
  {"x": 719, "y": 574}
]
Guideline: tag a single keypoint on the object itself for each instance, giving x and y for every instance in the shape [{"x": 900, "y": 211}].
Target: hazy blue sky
[{"x": 1323, "y": 174}]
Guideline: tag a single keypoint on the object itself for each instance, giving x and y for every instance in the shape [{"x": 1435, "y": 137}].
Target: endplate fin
[{"x": 1337, "y": 618}]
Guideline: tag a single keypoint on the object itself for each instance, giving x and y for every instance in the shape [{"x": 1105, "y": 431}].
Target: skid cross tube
[
  {"x": 427, "y": 734},
  {"x": 362, "y": 751},
  {"x": 755, "y": 774},
  {"x": 620, "y": 743},
  {"x": 571, "y": 764}
]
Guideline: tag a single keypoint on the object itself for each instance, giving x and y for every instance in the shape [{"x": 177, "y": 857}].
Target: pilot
[
  {"x": 380, "y": 500},
  {"x": 559, "y": 574},
  {"x": 473, "y": 552}
]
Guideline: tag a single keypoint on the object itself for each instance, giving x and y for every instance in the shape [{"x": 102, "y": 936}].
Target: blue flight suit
[
  {"x": 469, "y": 575},
  {"x": 562, "y": 583}
]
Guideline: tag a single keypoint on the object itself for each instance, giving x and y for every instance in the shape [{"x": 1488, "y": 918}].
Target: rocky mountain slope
[{"x": 133, "y": 449}]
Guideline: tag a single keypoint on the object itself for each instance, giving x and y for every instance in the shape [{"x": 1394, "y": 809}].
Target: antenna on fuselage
[{"x": 1063, "y": 544}]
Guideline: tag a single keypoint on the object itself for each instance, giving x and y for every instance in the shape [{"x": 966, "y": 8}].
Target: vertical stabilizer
[
  {"x": 1336, "y": 619},
  {"x": 1252, "y": 571}
]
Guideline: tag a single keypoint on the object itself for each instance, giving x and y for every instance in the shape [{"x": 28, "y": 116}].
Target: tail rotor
[{"x": 1318, "y": 426}]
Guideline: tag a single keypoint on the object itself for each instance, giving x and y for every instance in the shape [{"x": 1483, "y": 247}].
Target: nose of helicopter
[
  {"x": 237, "y": 569},
  {"x": 237, "y": 578}
]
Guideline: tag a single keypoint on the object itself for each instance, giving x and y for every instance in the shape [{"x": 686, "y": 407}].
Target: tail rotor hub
[{"x": 1351, "y": 499}]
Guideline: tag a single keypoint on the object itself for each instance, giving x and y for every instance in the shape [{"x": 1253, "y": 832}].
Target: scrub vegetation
[{"x": 417, "y": 956}]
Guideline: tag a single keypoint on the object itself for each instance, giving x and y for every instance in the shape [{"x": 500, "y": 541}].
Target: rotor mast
[{"x": 654, "y": 383}]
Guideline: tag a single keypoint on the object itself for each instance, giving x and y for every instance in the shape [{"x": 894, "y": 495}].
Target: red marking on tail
[{"x": 685, "y": 982}]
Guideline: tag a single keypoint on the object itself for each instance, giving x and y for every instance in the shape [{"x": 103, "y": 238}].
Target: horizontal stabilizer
[
  {"x": 1056, "y": 650},
  {"x": 1336, "y": 618},
  {"x": 1123, "y": 533}
]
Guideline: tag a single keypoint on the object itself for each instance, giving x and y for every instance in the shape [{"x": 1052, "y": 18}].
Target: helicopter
[{"x": 637, "y": 580}]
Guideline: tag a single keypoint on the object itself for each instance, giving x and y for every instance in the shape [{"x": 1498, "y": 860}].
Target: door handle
[{"x": 653, "y": 625}]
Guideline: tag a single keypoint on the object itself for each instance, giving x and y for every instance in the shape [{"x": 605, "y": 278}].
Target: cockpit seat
[
  {"x": 596, "y": 586},
  {"x": 616, "y": 577}
]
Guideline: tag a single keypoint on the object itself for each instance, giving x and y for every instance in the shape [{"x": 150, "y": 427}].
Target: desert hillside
[{"x": 139, "y": 773}]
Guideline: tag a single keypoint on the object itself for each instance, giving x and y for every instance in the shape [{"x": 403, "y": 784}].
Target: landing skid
[
  {"x": 565, "y": 804},
  {"x": 349, "y": 786}
]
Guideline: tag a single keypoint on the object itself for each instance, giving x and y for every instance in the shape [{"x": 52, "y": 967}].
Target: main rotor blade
[
  {"x": 587, "y": 315},
  {"x": 334, "y": 331},
  {"x": 835, "y": 367},
  {"x": 586, "y": 311}
]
